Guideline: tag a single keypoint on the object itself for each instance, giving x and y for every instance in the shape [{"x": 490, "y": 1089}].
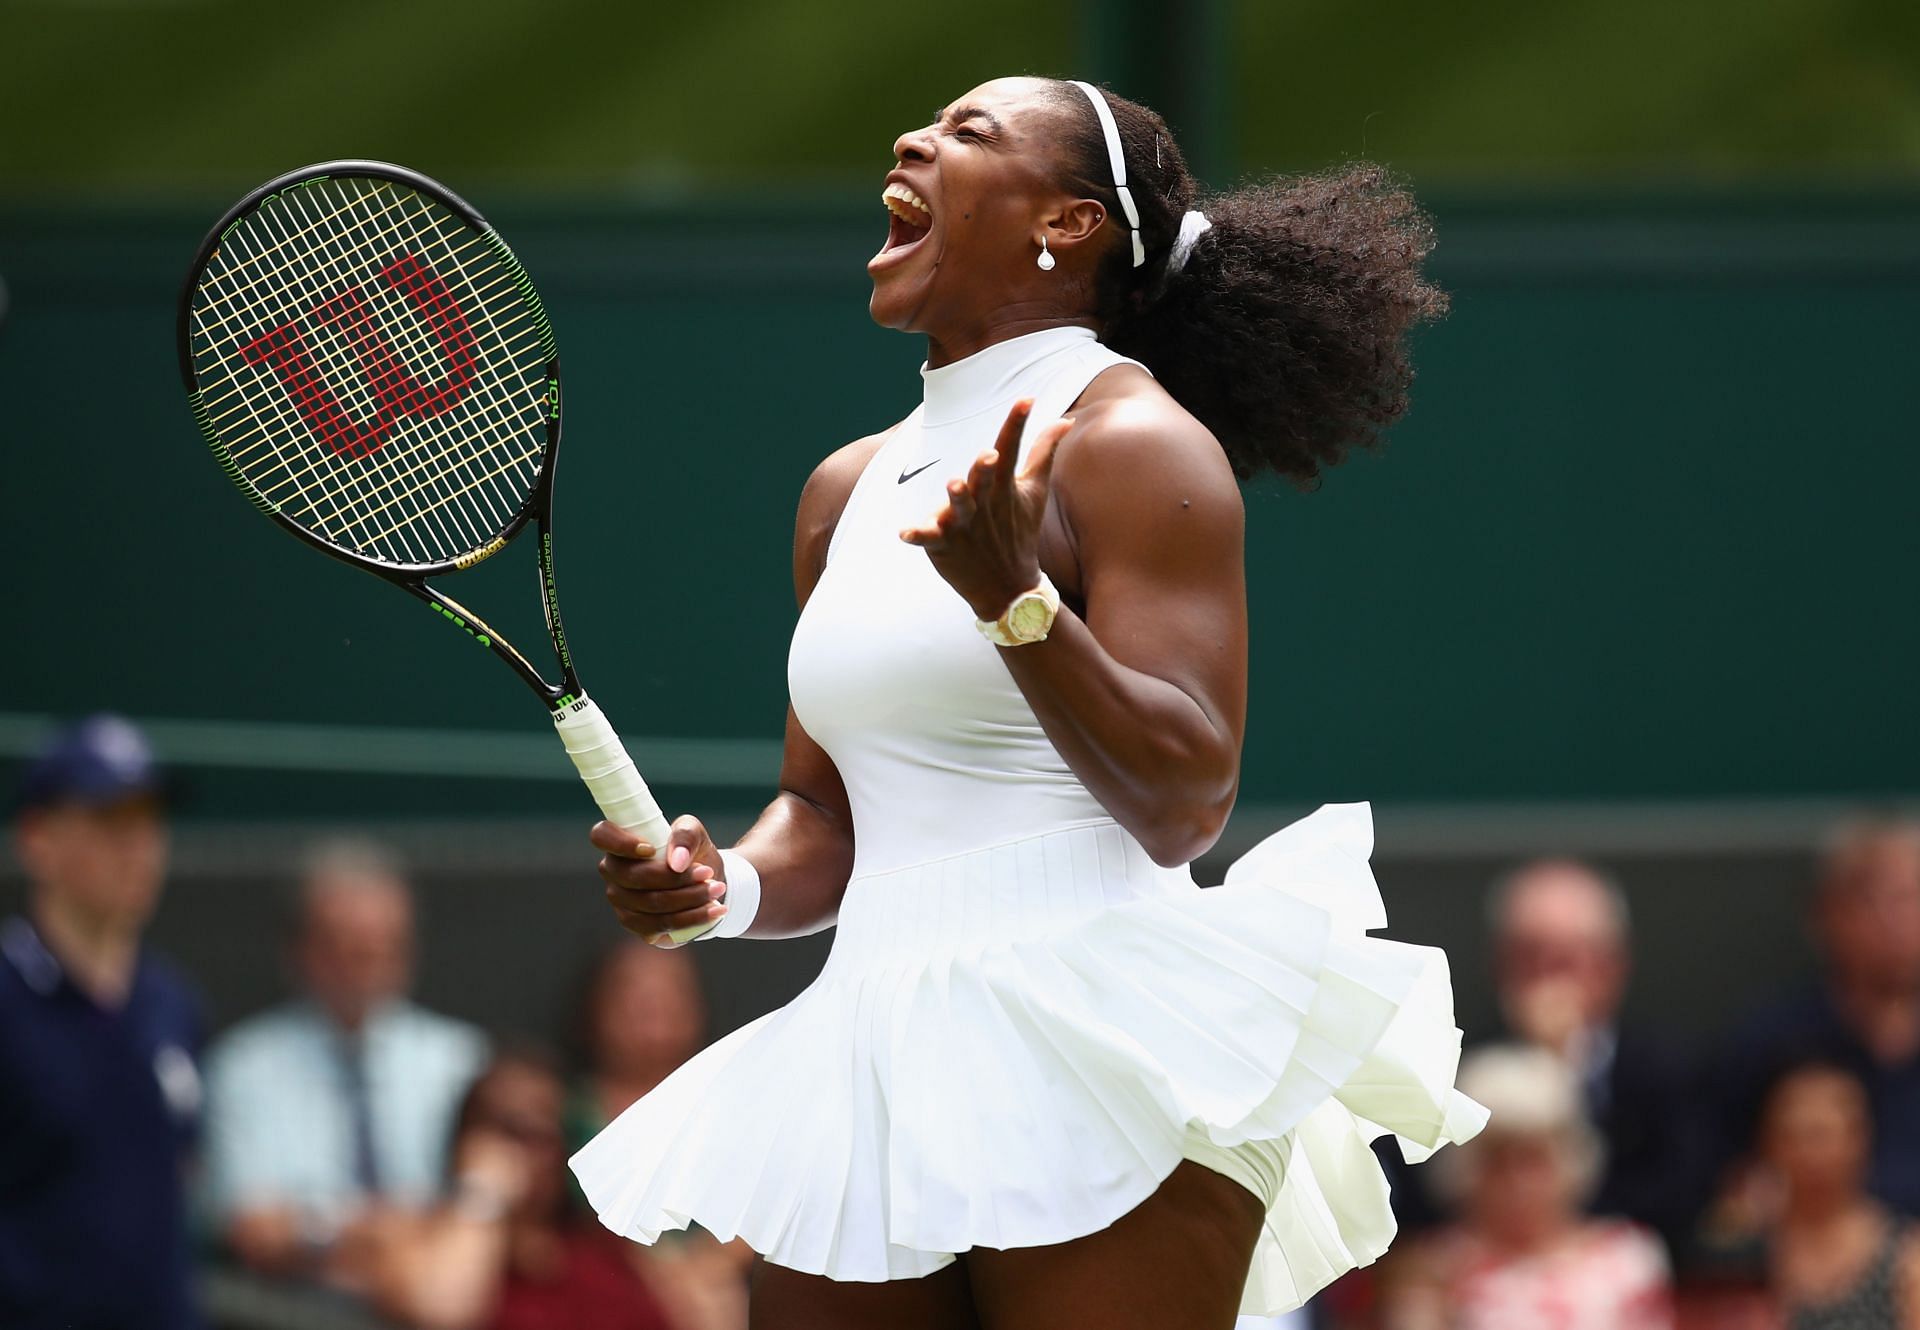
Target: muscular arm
[
  {"x": 1143, "y": 693},
  {"x": 1146, "y": 696},
  {"x": 802, "y": 843}
]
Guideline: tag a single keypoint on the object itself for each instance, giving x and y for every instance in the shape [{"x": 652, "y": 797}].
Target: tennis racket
[{"x": 373, "y": 369}]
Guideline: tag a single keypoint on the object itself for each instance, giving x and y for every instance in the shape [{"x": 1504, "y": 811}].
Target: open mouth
[{"x": 909, "y": 220}]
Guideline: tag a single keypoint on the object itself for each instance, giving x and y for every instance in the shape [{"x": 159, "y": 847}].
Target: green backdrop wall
[
  {"x": 766, "y": 93},
  {"x": 1648, "y": 532}
]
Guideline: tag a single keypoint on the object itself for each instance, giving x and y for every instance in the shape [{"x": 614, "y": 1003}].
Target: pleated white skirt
[{"x": 1015, "y": 1046}]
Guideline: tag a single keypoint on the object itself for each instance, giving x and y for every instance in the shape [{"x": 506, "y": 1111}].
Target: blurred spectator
[
  {"x": 503, "y": 1252},
  {"x": 1562, "y": 955},
  {"x": 329, "y": 1108},
  {"x": 1834, "y": 1258},
  {"x": 99, "y": 1096},
  {"x": 1839, "y": 1260},
  {"x": 643, "y": 1016},
  {"x": 1864, "y": 1015},
  {"x": 1521, "y": 1255}
]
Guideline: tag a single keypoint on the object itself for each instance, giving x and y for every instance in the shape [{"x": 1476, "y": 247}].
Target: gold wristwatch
[{"x": 1029, "y": 619}]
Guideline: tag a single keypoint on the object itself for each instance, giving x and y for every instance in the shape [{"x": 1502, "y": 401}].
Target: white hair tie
[{"x": 1192, "y": 226}]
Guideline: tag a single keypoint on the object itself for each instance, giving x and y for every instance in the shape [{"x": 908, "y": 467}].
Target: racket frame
[{"x": 537, "y": 508}]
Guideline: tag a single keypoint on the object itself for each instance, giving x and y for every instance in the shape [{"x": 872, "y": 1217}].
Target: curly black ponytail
[{"x": 1284, "y": 332}]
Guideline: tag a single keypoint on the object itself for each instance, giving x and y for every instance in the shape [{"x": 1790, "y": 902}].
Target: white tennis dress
[{"x": 1025, "y": 1023}]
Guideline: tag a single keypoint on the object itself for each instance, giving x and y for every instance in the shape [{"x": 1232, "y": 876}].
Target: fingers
[
  {"x": 618, "y": 840},
  {"x": 960, "y": 506},
  {"x": 1039, "y": 465},
  {"x": 657, "y": 929},
  {"x": 990, "y": 481},
  {"x": 651, "y": 878},
  {"x": 1008, "y": 444},
  {"x": 653, "y": 874},
  {"x": 652, "y": 912},
  {"x": 983, "y": 476},
  {"x": 655, "y": 890},
  {"x": 1006, "y": 448},
  {"x": 686, "y": 842}
]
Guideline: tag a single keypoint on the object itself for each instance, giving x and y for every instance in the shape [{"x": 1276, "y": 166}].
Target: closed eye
[
  {"x": 961, "y": 122},
  {"x": 973, "y": 133}
]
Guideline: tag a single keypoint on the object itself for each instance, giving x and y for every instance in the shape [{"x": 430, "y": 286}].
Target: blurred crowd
[
  {"x": 1766, "y": 1180},
  {"x": 348, "y": 1158}
]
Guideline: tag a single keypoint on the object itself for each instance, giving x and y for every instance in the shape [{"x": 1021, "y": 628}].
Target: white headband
[{"x": 1112, "y": 131}]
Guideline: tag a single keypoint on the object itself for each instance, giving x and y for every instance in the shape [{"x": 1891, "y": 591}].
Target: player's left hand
[{"x": 985, "y": 541}]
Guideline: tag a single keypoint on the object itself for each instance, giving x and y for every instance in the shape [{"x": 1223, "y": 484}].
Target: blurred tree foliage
[
  {"x": 182, "y": 95},
  {"x": 1498, "y": 89}
]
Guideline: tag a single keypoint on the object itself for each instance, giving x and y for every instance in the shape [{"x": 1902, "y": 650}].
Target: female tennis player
[{"x": 1044, "y": 1080}]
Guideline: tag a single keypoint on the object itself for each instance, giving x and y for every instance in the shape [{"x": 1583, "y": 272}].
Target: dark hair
[
  {"x": 590, "y": 988},
  {"x": 1794, "y": 1064},
  {"x": 508, "y": 1054},
  {"x": 1285, "y": 331}
]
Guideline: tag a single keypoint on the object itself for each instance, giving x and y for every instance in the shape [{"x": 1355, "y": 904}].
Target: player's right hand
[{"x": 657, "y": 889}]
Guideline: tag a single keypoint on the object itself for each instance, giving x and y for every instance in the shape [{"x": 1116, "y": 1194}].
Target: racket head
[{"x": 373, "y": 368}]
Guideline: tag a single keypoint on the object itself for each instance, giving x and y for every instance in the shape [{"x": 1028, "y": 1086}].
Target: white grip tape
[{"x": 613, "y": 781}]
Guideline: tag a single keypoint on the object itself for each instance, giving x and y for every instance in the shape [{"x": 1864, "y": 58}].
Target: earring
[{"x": 1046, "y": 256}]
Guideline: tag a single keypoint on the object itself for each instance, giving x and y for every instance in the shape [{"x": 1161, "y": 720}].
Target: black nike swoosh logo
[{"x": 905, "y": 476}]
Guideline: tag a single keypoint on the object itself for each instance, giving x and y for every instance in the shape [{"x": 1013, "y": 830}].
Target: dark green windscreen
[{"x": 1648, "y": 531}]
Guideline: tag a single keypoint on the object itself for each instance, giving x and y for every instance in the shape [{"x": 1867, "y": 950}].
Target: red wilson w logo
[{"x": 396, "y": 393}]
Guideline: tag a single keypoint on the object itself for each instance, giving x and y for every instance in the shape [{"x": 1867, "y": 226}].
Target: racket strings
[
  {"x": 394, "y": 464},
  {"x": 469, "y": 534},
  {"x": 445, "y": 468},
  {"x": 396, "y": 386},
  {"x": 304, "y": 290},
  {"x": 261, "y": 287},
  {"x": 363, "y": 233},
  {"x": 211, "y": 344},
  {"x": 397, "y": 464}
]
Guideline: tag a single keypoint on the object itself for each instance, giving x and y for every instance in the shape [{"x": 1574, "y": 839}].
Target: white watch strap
[{"x": 743, "y": 895}]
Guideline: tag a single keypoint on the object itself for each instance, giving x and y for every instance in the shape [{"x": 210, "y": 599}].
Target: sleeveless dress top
[
  {"x": 1873, "y": 1303},
  {"x": 1025, "y": 1024}
]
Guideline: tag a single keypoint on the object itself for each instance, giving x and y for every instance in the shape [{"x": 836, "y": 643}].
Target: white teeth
[{"x": 899, "y": 193}]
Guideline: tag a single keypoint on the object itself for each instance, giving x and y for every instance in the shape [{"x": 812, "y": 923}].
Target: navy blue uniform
[{"x": 98, "y": 1110}]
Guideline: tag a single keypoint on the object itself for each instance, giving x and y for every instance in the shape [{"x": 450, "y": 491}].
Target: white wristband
[{"x": 743, "y": 895}]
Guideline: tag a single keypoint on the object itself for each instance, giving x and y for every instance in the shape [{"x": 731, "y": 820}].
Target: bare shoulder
[
  {"x": 1136, "y": 454},
  {"x": 832, "y": 481},
  {"x": 822, "y": 500}
]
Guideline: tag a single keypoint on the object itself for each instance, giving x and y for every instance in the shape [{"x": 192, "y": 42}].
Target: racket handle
[{"x": 614, "y": 782}]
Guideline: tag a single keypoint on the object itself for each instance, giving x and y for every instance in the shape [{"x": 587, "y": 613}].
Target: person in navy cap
[{"x": 99, "y": 1090}]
